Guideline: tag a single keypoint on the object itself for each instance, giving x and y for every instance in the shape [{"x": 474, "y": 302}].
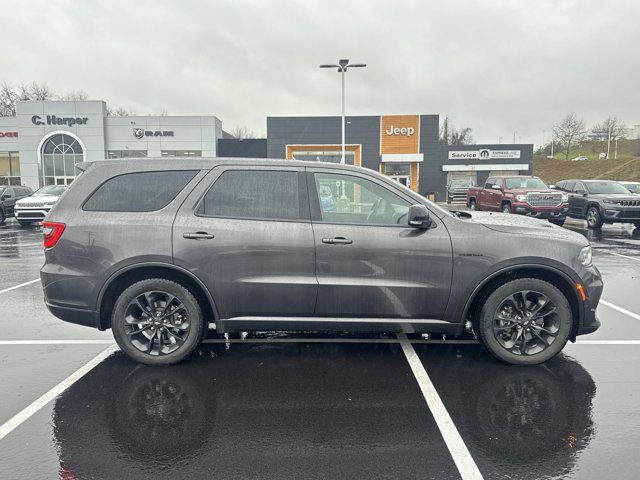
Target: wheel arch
[
  {"x": 133, "y": 273},
  {"x": 552, "y": 275}
]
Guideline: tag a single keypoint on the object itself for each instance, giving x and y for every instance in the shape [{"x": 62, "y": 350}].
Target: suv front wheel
[
  {"x": 157, "y": 322},
  {"x": 524, "y": 322}
]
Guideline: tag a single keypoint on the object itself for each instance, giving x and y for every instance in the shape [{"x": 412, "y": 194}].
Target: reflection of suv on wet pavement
[
  {"x": 601, "y": 201},
  {"x": 524, "y": 195},
  {"x": 156, "y": 252},
  {"x": 36, "y": 206}
]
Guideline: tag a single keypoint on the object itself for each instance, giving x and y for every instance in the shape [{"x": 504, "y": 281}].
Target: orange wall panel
[{"x": 399, "y": 134}]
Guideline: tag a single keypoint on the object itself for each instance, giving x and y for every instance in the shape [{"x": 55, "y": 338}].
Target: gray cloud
[{"x": 497, "y": 66}]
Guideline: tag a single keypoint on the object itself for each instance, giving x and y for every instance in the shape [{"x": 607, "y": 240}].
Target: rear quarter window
[{"x": 139, "y": 192}]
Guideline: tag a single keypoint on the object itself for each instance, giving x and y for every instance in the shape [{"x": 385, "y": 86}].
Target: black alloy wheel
[
  {"x": 524, "y": 322},
  {"x": 157, "y": 322}
]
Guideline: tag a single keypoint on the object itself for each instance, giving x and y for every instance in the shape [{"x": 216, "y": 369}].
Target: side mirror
[
  {"x": 496, "y": 187},
  {"x": 581, "y": 192},
  {"x": 419, "y": 216},
  {"x": 553, "y": 187}
]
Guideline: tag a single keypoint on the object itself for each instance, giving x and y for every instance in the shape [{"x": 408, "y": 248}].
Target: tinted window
[
  {"x": 263, "y": 194},
  {"x": 139, "y": 192},
  {"x": 605, "y": 187},
  {"x": 355, "y": 200},
  {"x": 568, "y": 186}
]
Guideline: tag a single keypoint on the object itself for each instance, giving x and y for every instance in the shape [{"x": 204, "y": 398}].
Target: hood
[
  {"x": 521, "y": 225},
  {"x": 523, "y": 191},
  {"x": 614, "y": 196},
  {"x": 38, "y": 199}
]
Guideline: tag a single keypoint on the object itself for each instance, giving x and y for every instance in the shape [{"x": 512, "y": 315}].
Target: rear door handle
[
  {"x": 337, "y": 240},
  {"x": 198, "y": 235}
]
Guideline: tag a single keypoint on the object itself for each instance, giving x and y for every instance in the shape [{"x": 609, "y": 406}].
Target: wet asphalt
[{"x": 317, "y": 406}]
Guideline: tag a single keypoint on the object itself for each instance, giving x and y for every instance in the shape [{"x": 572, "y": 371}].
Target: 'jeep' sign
[{"x": 399, "y": 134}]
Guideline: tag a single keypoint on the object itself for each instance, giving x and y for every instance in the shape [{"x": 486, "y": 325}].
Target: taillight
[{"x": 52, "y": 232}]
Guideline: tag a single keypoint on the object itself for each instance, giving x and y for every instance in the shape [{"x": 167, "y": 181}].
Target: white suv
[{"x": 35, "y": 207}]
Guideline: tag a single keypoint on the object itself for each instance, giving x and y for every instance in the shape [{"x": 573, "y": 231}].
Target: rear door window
[
  {"x": 257, "y": 194},
  {"x": 139, "y": 192}
]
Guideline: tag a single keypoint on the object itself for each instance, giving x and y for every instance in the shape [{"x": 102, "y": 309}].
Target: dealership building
[{"x": 42, "y": 143}]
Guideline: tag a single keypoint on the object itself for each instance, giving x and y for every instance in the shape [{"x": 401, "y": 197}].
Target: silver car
[{"x": 36, "y": 206}]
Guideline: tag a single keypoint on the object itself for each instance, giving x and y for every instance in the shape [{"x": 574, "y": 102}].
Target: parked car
[
  {"x": 158, "y": 251},
  {"x": 633, "y": 187},
  {"x": 601, "y": 201},
  {"x": 580, "y": 158},
  {"x": 36, "y": 206},
  {"x": 457, "y": 190},
  {"x": 9, "y": 195},
  {"x": 525, "y": 195}
]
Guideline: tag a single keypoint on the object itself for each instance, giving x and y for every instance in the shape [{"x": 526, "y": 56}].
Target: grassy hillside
[
  {"x": 626, "y": 149},
  {"x": 552, "y": 170}
]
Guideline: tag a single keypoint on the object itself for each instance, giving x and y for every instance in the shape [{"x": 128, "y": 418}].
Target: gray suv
[{"x": 157, "y": 251}]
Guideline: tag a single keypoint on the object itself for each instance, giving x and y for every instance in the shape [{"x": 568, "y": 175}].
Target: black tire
[
  {"x": 2, "y": 217},
  {"x": 506, "y": 208},
  {"x": 25, "y": 223},
  {"x": 557, "y": 222},
  {"x": 636, "y": 224},
  {"x": 594, "y": 219},
  {"x": 130, "y": 344},
  {"x": 473, "y": 205},
  {"x": 485, "y": 322}
]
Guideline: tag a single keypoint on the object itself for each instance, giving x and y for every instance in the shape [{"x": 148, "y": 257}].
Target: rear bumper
[{"x": 75, "y": 315}]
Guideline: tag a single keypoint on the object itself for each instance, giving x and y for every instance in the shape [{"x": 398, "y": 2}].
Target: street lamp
[{"x": 342, "y": 67}]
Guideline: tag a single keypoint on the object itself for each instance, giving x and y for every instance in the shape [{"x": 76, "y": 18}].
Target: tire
[
  {"x": 473, "y": 205},
  {"x": 594, "y": 219},
  {"x": 187, "y": 324},
  {"x": 506, "y": 208},
  {"x": 636, "y": 224},
  {"x": 492, "y": 332},
  {"x": 2, "y": 217},
  {"x": 24, "y": 223},
  {"x": 557, "y": 222}
]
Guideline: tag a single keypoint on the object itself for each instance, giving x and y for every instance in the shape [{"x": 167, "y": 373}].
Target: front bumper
[
  {"x": 592, "y": 284},
  {"x": 31, "y": 214},
  {"x": 557, "y": 213},
  {"x": 620, "y": 214}
]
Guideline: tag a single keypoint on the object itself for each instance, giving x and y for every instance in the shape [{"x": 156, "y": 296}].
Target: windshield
[
  {"x": 605, "y": 187},
  {"x": 632, "y": 187},
  {"x": 461, "y": 183},
  {"x": 51, "y": 190},
  {"x": 523, "y": 182}
]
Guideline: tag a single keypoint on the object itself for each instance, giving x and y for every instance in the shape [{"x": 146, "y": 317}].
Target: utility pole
[{"x": 342, "y": 67}]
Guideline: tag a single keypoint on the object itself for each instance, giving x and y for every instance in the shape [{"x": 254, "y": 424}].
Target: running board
[{"x": 332, "y": 324}]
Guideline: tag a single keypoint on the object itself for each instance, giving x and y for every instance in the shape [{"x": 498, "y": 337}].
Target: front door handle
[
  {"x": 198, "y": 235},
  {"x": 337, "y": 240}
]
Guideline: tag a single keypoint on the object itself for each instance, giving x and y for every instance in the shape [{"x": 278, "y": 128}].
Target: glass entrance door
[{"x": 400, "y": 172}]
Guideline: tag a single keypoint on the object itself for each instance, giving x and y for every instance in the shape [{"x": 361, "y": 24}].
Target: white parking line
[
  {"x": 24, "y": 415},
  {"x": 56, "y": 342},
  {"x": 621, "y": 255},
  {"x": 21, "y": 285},
  {"x": 457, "y": 448},
  {"x": 620, "y": 309}
]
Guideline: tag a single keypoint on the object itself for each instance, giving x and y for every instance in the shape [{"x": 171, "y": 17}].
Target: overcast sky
[{"x": 496, "y": 66}]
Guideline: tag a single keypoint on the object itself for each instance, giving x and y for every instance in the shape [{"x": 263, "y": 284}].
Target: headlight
[
  {"x": 610, "y": 202},
  {"x": 49, "y": 205},
  {"x": 585, "y": 256},
  {"x": 521, "y": 198},
  {"x": 565, "y": 197}
]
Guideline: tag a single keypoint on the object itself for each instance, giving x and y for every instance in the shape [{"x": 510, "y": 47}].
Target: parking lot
[{"x": 316, "y": 406}]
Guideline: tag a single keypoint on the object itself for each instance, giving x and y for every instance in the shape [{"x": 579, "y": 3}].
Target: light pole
[{"x": 342, "y": 67}]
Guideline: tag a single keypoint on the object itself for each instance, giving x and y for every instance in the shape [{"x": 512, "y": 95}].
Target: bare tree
[
  {"x": 569, "y": 132},
  {"x": 119, "y": 112},
  {"x": 77, "y": 96},
  {"x": 611, "y": 128},
  {"x": 449, "y": 135},
  {"x": 242, "y": 133},
  {"x": 8, "y": 98}
]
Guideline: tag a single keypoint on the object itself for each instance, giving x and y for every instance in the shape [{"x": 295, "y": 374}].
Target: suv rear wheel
[
  {"x": 157, "y": 322},
  {"x": 524, "y": 322}
]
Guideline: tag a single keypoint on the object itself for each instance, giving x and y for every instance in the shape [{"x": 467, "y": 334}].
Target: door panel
[
  {"x": 366, "y": 268},
  {"x": 252, "y": 267}
]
